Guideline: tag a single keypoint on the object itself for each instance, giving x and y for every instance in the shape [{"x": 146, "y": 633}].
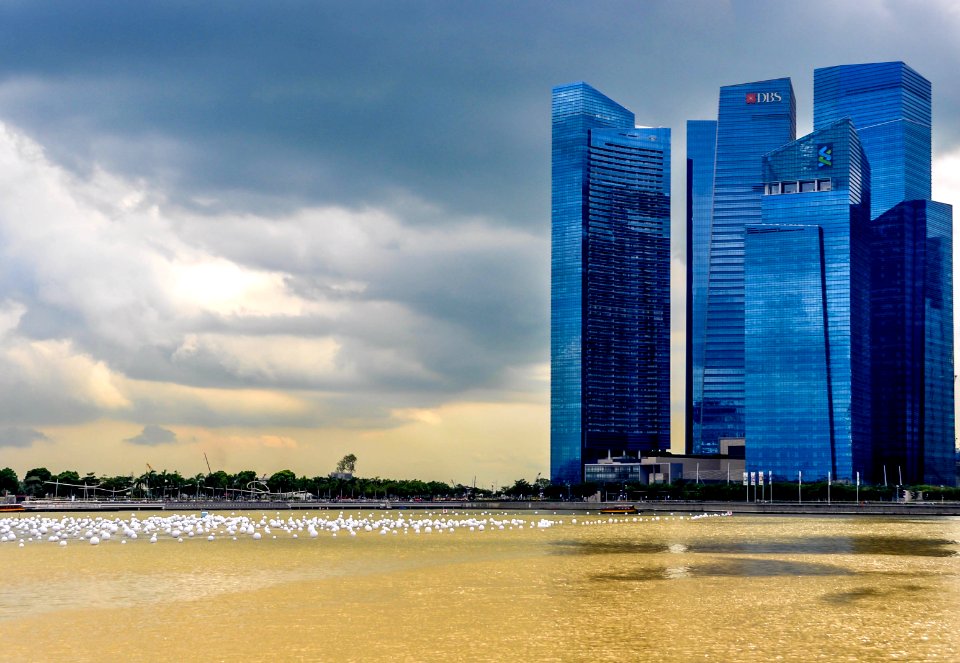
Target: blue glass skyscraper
[
  {"x": 789, "y": 409},
  {"x": 610, "y": 305},
  {"x": 889, "y": 104},
  {"x": 911, "y": 268},
  {"x": 912, "y": 340},
  {"x": 753, "y": 119},
  {"x": 807, "y": 310},
  {"x": 701, "y": 158},
  {"x": 858, "y": 378}
]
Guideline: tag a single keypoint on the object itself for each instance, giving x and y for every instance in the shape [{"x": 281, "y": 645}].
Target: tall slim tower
[
  {"x": 701, "y": 159},
  {"x": 889, "y": 104},
  {"x": 610, "y": 304},
  {"x": 912, "y": 343},
  {"x": 753, "y": 119}
]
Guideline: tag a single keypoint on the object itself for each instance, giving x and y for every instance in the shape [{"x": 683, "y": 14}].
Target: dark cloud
[
  {"x": 153, "y": 435},
  {"x": 268, "y": 134},
  {"x": 266, "y": 106},
  {"x": 13, "y": 436}
]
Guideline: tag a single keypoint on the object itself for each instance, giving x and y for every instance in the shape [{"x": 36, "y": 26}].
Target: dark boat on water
[{"x": 625, "y": 510}]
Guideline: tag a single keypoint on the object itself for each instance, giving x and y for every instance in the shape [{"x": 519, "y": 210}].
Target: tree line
[{"x": 248, "y": 484}]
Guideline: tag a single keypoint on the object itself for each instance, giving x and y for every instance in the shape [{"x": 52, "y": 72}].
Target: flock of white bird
[{"x": 60, "y": 530}]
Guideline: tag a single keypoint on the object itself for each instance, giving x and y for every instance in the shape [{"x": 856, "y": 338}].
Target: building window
[{"x": 807, "y": 186}]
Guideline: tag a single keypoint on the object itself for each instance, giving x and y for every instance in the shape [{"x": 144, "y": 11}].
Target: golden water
[{"x": 719, "y": 589}]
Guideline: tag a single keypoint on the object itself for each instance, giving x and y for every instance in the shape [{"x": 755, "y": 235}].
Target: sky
[{"x": 278, "y": 233}]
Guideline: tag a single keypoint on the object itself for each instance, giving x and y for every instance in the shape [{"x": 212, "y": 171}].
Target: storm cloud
[
  {"x": 327, "y": 216},
  {"x": 12, "y": 436},
  {"x": 153, "y": 435},
  {"x": 240, "y": 106}
]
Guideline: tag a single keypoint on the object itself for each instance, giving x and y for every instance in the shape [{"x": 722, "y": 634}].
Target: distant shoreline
[{"x": 780, "y": 507}]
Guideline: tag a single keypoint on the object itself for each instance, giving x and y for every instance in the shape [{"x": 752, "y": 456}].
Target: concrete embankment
[
  {"x": 808, "y": 508},
  {"x": 804, "y": 508}
]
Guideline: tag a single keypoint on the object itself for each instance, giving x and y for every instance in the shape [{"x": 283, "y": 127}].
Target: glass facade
[
  {"x": 753, "y": 119},
  {"x": 701, "y": 157},
  {"x": 610, "y": 320},
  {"x": 789, "y": 409},
  {"x": 912, "y": 386},
  {"x": 604, "y": 473},
  {"x": 912, "y": 334},
  {"x": 807, "y": 310},
  {"x": 889, "y": 104}
]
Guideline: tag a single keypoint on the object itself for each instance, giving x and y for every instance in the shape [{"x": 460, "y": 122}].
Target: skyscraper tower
[
  {"x": 911, "y": 269},
  {"x": 889, "y": 104},
  {"x": 701, "y": 159},
  {"x": 912, "y": 344},
  {"x": 610, "y": 304},
  {"x": 753, "y": 119},
  {"x": 807, "y": 310}
]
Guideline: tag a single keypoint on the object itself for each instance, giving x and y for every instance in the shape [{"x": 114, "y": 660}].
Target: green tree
[
  {"x": 554, "y": 491},
  {"x": 195, "y": 487},
  {"x": 33, "y": 481},
  {"x": 41, "y": 473},
  {"x": 175, "y": 483},
  {"x": 118, "y": 486},
  {"x": 521, "y": 488},
  {"x": 218, "y": 481},
  {"x": 148, "y": 484},
  {"x": 66, "y": 477},
  {"x": 439, "y": 489},
  {"x": 242, "y": 479},
  {"x": 283, "y": 481},
  {"x": 347, "y": 464},
  {"x": 9, "y": 482},
  {"x": 584, "y": 490}
]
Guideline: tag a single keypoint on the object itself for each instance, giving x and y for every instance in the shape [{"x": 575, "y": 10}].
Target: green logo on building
[{"x": 825, "y": 156}]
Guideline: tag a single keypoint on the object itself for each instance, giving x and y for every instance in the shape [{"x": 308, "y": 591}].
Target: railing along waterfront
[{"x": 777, "y": 507}]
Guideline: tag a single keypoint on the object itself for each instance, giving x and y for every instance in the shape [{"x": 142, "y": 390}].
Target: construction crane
[{"x": 209, "y": 471}]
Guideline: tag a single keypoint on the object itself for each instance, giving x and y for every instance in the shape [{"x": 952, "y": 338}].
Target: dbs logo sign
[{"x": 763, "y": 97}]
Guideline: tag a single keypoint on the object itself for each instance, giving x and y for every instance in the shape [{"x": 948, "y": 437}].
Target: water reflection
[
  {"x": 617, "y": 547},
  {"x": 735, "y": 567},
  {"x": 859, "y": 545},
  {"x": 897, "y": 592}
]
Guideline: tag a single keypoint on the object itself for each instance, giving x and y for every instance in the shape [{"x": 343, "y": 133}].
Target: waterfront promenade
[{"x": 929, "y": 508}]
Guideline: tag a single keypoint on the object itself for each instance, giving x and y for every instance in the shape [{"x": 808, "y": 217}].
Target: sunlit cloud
[
  {"x": 946, "y": 180},
  {"x": 245, "y": 253}
]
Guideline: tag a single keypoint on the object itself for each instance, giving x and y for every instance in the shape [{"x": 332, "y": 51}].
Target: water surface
[{"x": 741, "y": 588}]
